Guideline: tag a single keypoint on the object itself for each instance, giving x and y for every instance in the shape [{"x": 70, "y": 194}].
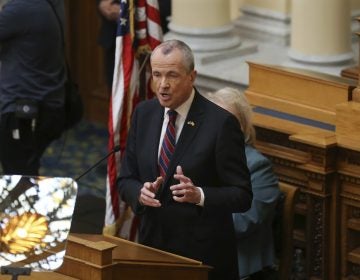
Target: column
[
  {"x": 320, "y": 31},
  {"x": 265, "y": 20},
  {"x": 235, "y": 9},
  {"x": 203, "y": 24},
  {"x": 355, "y": 13}
]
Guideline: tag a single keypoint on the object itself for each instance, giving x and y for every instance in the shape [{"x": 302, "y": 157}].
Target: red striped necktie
[{"x": 168, "y": 144}]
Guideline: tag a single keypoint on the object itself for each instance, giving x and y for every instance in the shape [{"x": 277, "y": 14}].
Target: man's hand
[
  {"x": 109, "y": 10},
  {"x": 148, "y": 192},
  {"x": 185, "y": 191}
]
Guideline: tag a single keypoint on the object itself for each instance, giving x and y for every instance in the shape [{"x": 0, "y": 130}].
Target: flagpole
[{"x": 143, "y": 59}]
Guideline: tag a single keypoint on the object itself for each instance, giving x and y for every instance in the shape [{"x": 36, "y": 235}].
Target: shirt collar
[{"x": 184, "y": 108}]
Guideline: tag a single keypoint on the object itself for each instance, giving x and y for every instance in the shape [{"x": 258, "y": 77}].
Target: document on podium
[{"x": 35, "y": 220}]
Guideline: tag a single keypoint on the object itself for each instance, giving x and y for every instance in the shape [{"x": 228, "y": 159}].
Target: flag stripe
[{"x": 138, "y": 29}]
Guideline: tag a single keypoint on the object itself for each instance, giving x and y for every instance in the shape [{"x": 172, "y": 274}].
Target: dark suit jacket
[{"x": 211, "y": 154}]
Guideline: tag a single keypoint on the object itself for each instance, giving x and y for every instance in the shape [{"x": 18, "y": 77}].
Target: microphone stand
[
  {"x": 114, "y": 150},
  {"x": 15, "y": 272}
]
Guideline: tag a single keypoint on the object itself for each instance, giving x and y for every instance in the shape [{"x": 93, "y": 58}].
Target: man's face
[{"x": 173, "y": 85}]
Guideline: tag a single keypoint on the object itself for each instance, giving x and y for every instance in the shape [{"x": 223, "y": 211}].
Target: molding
[
  {"x": 210, "y": 31},
  {"x": 321, "y": 59},
  {"x": 205, "y": 39},
  {"x": 264, "y": 25},
  {"x": 266, "y": 13}
]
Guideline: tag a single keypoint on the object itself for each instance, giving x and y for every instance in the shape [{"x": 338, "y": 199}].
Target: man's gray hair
[{"x": 168, "y": 46}]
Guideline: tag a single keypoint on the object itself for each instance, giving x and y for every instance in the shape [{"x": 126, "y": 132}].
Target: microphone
[{"x": 114, "y": 150}]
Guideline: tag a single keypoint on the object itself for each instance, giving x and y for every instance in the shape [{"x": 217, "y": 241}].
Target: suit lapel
[{"x": 156, "y": 125}]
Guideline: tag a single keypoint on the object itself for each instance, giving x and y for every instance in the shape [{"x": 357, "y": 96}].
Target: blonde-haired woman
[{"x": 254, "y": 227}]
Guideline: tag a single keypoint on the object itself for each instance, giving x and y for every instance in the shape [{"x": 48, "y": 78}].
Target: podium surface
[{"x": 95, "y": 257}]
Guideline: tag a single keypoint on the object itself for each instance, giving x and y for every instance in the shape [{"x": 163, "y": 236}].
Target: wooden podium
[
  {"x": 95, "y": 257},
  {"x": 99, "y": 257}
]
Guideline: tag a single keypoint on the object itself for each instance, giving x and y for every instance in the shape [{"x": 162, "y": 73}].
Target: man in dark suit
[{"x": 188, "y": 210}]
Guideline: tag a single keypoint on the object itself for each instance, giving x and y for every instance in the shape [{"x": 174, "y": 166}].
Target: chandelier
[{"x": 24, "y": 233}]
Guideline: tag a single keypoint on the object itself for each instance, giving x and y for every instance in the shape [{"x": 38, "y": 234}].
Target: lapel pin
[{"x": 191, "y": 123}]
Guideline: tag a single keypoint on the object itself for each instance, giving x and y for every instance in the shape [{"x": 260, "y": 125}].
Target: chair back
[{"x": 284, "y": 228}]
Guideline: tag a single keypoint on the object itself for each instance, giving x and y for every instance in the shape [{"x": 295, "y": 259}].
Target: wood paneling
[
  {"x": 86, "y": 58},
  {"x": 323, "y": 163}
]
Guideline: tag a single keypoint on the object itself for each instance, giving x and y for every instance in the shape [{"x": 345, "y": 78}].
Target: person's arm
[
  {"x": 266, "y": 193},
  {"x": 109, "y": 9},
  {"x": 235, "y": 193},
  {"x": 139, "y": 195},
  {"x": 128, "y": 184}
]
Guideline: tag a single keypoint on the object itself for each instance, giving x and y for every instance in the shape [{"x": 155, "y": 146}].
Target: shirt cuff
[{"x": 202, "y": 197}]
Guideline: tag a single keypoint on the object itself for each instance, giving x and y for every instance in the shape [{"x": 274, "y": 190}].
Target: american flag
[{"x": 139, "y": 31}]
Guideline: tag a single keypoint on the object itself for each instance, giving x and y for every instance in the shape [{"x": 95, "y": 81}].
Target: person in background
[
  {"x": 109, "y": 11},
  {"x": 32, "y": 77},
  {"x": 165, "y": 12},
  {"x": 254, "y": 227},
  {"x": 184, "y": 168}
]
